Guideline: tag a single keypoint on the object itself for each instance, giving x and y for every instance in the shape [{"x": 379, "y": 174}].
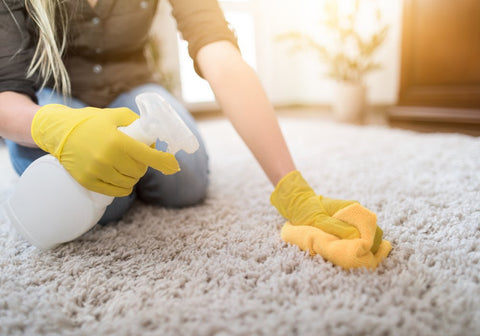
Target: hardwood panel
[{"x": 440, "y": 64}]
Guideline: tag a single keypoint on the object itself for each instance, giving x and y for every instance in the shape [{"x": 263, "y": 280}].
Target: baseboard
[{"x": 433, "y": 119}]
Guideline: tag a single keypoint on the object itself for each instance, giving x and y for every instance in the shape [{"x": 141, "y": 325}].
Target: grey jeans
[{"x": 187, "y": 187}]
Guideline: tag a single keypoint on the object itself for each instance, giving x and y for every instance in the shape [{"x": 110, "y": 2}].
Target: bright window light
[{"x": 194, "y": 88}]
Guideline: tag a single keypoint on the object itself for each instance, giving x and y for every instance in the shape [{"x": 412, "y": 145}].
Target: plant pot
[{"x": 349, "y": 102}]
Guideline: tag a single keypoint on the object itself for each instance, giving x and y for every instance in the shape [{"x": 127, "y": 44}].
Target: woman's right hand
[
  {"x": 296, "y": 201},
  {"x": 88, "y": 143}
]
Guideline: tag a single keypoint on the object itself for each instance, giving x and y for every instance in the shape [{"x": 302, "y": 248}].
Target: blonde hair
[{"x": 50, "y": 16}]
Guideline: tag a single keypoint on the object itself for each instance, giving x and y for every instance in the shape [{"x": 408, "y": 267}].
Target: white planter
[{"x": 349, "y": 102}]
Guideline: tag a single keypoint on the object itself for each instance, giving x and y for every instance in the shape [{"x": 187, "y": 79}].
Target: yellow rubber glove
[
  {"x": 89, "y": 145},
  {"x": 297, "y": 202}
]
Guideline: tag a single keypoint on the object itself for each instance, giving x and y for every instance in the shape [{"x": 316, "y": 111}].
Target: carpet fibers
[{"x": 220, "y": 268}]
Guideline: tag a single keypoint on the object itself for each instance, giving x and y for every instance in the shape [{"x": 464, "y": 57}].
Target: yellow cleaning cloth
[
  {"x": 347, "y": 253},
  {"x": 343, "y": 232}
]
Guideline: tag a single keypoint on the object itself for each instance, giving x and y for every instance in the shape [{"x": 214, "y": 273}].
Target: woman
[{"x": 70, "y": 71}]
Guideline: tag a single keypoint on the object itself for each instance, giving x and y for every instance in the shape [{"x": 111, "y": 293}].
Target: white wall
[{"x": 299, "y": 78}]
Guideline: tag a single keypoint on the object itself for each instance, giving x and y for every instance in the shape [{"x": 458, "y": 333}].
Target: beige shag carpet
[{"x": 220, "y": 268}]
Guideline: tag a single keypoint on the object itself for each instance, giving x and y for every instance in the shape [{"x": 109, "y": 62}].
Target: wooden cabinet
[{"x": 440, "y": 67}]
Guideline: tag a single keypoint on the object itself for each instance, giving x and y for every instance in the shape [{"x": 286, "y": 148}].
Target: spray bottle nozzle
[{"x": 158, "y": 120}]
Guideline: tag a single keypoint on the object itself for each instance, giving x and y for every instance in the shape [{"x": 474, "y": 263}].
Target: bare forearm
[
  {"x": 244, "y": 102},
  {"x": 242, "y": 98},
  {"x": 16, "y": 114}
]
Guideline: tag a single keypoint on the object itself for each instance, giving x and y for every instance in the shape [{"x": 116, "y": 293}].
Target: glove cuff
[
  {"x": 281, "y": 196},
  {"x": 51, "y": 126},
  {"x": 41, "y": 126}
]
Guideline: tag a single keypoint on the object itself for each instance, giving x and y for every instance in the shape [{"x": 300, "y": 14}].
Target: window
[{"x": 240, "y": 14}]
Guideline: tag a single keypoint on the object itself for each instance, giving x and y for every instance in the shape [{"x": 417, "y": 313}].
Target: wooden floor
[{"x": 375, "y": 115}]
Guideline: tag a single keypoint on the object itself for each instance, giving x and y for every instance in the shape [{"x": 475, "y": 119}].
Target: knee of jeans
[
  {"x": 188, "y": 192},
  {"x": 185, "y": 188},
  {"x": 115, "y": 211}
]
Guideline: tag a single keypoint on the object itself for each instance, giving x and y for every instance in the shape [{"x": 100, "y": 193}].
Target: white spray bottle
[{"x": 49, "y": 207}]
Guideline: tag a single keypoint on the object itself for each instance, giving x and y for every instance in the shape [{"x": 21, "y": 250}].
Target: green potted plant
[{"x": 348, "y": 56}]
